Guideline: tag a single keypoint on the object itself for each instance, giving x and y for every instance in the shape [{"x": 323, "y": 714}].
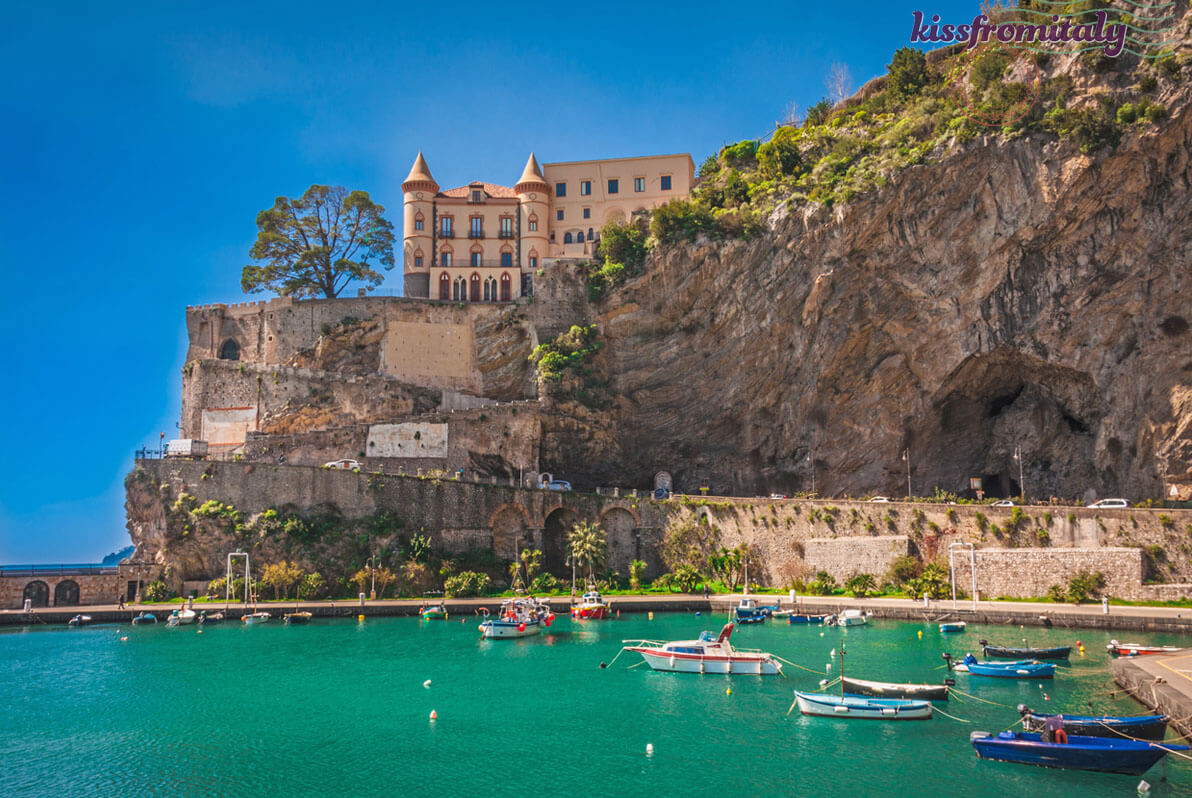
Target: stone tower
[
  {"x": 533, "y": 193},
  {"x": 419, "y": 191}
]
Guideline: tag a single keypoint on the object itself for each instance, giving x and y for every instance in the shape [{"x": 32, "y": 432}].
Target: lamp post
[
  {"x": 906, "y": 455},
  {"x": 1021, "y": 483},
  {"x": 811, "y": 464},
  {"x": 372, "y": 575}
]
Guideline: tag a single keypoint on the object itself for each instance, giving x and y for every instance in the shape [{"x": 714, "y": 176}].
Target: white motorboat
[
  {"x": 518, "y": 617},
  {"x": 852, "y": 618},
  {"x": 709, "y": 654},
  {"x": 256, "y": 617}
]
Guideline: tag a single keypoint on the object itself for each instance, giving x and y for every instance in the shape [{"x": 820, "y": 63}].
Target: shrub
[
  {"x": 1166, "y": 521},
  {"x": 741, "y": 154},
  {"x": 625, "y": 243},
  {"x": 818, "y": 113},
  {"x": 636, "y": 569},
  {"x": 155, "y": 591},
  {"x": 1084, "y": 585},
  {"x": 824, "y": 584},
  {"x": 467, "y": 583},
  {"x": 686, "y": 578},
  {"x": 545, "y": 583},
  {"x": 566, "y": 352},
  {"x": 908, "y": 72},
  {"x": 932, "y": 582},
  {"x": 904, "y": 569},
  {"x": 780, "y": 155},
  {"x": 679, "y": 220},
  {"x": 1155, "y": 112},
  {"x": 861, "y": 585},
  {"x": 1147, "y": 84},
  {"x": 1127, "y": 114}
]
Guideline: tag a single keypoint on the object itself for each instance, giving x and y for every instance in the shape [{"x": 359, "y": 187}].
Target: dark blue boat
[
  {"x": 1146, "y": 727},
  {"x": 1108, "y": 755},
  {"x": 755, "y": 618},
  {"x": 1023, "y": 669},
  {"x": 1011, "y": 652},
  {"x": 794, "y": 619}
]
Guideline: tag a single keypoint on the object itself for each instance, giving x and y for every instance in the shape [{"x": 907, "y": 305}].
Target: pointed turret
[
  {"x": 531, "y": 176},
  {"x": 419, "y": 176}
]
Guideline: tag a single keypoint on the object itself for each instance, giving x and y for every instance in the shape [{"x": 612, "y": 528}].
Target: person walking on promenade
[{"x": 121, "y": 601}]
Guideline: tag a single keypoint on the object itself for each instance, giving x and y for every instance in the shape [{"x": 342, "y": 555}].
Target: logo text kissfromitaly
[{"x": 981, "y": 30}]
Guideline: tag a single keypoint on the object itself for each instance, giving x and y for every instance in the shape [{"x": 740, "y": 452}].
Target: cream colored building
[{"x": 483, "y": 242}]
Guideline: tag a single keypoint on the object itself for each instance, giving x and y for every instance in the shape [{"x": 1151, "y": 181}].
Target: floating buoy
[
  {"x": 728, "y": 691},
  {"x": 649, "y": 749},
  {"x": 604, "y": 665},
  {"x": 698, "y": 613},
  {"x": 821, "y": 634},
  {"x": 920, "y": 634},
  {"x": 823, "y": 682},
  {"x": 1046, "y": 697},
  {"x": 651, "y": 616},
  {"x": 198, "y": 631},
  {"x": 828, "y": 667},
  {"x": 434, "y": 715},
  {"x": 124, "y": 639},
  {"x": 832, "y": 653},
  {"x": 426, "y": 684},
  {"x": 360, "y": 618},
  {"x": 618, "y": 613},
  {"x": 521, "y": 627}
]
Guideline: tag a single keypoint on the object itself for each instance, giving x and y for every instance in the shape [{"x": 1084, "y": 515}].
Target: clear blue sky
[{"x": 141, "y": 139}]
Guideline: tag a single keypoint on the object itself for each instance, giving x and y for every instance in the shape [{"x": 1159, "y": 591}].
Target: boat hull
[
  {"x": 507, "y": 630},
  {"x": 862, "y": 708},
  {"x": 852, "y": 621},
  {"x": 1079, "y": 753},
  {"x": 736, "y": 665},
  {"x": 922, "y": 692},
  {"x": 1004, "y": 652},
  {"x": 1145, "y": 727},
  {"x": 950, "y": 628},
  {"x": 1023, "y": 669},
  {"x": 808, "y": 619},
  {"x": 593, "y": 613}
]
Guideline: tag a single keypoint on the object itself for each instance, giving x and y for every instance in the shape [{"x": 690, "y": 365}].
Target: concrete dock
[{"x": 1162, "y": 682}]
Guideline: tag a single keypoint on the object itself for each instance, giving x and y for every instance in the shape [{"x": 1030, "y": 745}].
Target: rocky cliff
[{"x": 1011, "y": 294}]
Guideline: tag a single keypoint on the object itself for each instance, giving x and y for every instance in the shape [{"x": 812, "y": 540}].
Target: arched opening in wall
[
  {"x": 66, "y": 593},
  {"x": 506, "y": 287},
  {"x": 509, "y": 531},
  {"x": 38, "y": 593},
  {"x": 619, "y": 529},
  {"x": 567, "y": 238},
  {"x": 230, "y": 350},
  {"x": 459, "y": 290},
  {"x": 490, "y": 289},
  {"x": 475, "y": 287},
  {"x": 554, "y": 541},
  {"x": 1006, "y": 400},
  {"x": 444, "y": 286}
]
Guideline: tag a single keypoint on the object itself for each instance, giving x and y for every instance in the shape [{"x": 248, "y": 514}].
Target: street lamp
[
  {"x": 1021, "y": 483},
  {"x": 372, "y": 575},
  {"x": 906, "y": 455}
]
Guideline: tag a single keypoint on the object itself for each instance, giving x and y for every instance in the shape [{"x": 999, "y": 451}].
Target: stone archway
[
  {"x": 66, "y": 593},
  {"x": 38, "y": 592},
  {"x": 509, "y": 525},
  {"x": 619, "y": 527},
  {"x": 554, "y": 541}
]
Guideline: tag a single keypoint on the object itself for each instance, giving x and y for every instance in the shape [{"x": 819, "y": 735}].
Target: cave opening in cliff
[{"x": 554, "y": 541}]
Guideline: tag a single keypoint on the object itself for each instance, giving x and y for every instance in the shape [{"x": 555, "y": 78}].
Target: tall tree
[
  {"x": 588, "y": 546},
  {"x": 318, "y": 243}
]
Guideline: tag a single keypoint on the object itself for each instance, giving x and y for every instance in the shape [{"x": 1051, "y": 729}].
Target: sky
[{"x": 140, "y": 140}]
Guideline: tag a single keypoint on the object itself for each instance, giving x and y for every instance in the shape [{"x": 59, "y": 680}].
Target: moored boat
[
  {"x": 808, "y": 618},
  {"x": 434, "y": 612},
  {"x": 590, "y": 605},
  {"x": 957, "y": 626},
  {"x": 862, "y": 707},
  {"x": 205, "y": 617},
  {"x": 1022, "y": 669},
  {"x": 1146, "y": 727},
  {"x": 708, "y": 654},
  {"x": 1109, "y": 755},
  {"x": 748, "y": 611},
  {"x": 1139, "y": 650},
  {"x": 922, "y": 692},
  {"x": 79, "y": 620},
  {"x": 256, "y": 617},
  {"x": 145, "y": 617},
  {"x": 518, "y": 617},
  {"x": 851, "y": 618},
  {"x": 1012, "y": 652},
  {"x": 297, "y": 617}
]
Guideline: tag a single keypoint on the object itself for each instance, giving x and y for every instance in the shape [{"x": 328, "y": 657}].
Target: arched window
[
  {"x": 444, "y": 286},
  {"x": 490, "y": 289},
  {"x": 590, "y": 235},
  {"x": 230, "y": 350},
  {"x": 419, "y": 221},
  {"x": 66, "y": 593},
  {"x": 475, "y": 287},
  {"x": 459, "y": 290},
  {"x": 505, "y": 287},
  {"x": 38, "y": 593},
  {"x": 567, "y": 238},
  {"x": 533, "y": 223}
]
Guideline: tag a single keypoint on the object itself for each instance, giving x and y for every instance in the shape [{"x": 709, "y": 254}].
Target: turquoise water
[{"x": 339, "y": 708}]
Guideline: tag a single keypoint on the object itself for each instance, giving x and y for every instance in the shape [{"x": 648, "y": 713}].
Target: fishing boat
[
  {"x": 297, "y": 617},
  {"x": 1105, "y": 754},
  {"x": 205, "y": 617},
  {"x": 518, "y": 617},
  {"x": 434, "y": 612},
  {"x": 1021, "y": 669},
  {"x": 949, "y": 628},
  {"x": 590, "y": 605},
  {"x": 256, "y": 617},
  {"x": 1138, "y": 650},
  {"x": 79, "y": 620},
  {"x": 709, "y": 654},
  {"x": 144, "y": 617},
  {"x": 860, "y": 707},
  {"x": 851, "y": 618},
  {"x": 749, "y": 612},
  {"x": 1011, "y": 652},
  {"x": 923, "y": 692},
  {"x": 808, "y": 618},
  {"x": 1146, "y": 727}
]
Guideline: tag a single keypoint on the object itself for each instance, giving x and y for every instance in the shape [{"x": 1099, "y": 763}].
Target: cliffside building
[{"x": 483, "y": 242}]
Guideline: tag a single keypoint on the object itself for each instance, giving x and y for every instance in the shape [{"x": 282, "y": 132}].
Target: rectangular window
[
  {"x": 613, "y": 185},
  {"x": 533, "y": 263},
  {"x": 446, "y": 258},
  {"x": 506, "y": 227},
  {"x": 417, "y": 261},
  {"x": 665, "y": 182},
  {"x": 639, "y": 184},
  {"x": 475, "y": 258},
  {"x": 506, "y": 259},
  {"x": 585, "y": 187},
  {"x": 477, "y": 227},
  {"x": 559, "y": 214},
  {"x": 533, "y": 225},
  {"x": 477, "y": 196},
  {"x": 446, "y": 227},
  {"x": 587, "y": 213},
  {"x": 560, "y": 189},
  {"x": 417, "y": 224}
]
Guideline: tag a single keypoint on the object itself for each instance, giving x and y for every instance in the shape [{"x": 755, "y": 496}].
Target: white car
[
  {"x": 347, "y": 465},
  {"x": 1002, "y": 503},
  {"x": 1110, "y": 503},
  {"x": 880, "y": 500}
]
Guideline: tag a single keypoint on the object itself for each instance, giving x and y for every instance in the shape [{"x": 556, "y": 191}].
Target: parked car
[
  {"x": 880, "y": 500},
  {"x": 779, "y": 496},
  {"x": 558, "y": 484},
  {"x": 1110, "y": 503},
  {"x": 1002, "y": 503},
  {"x": 347, "y": 465}
]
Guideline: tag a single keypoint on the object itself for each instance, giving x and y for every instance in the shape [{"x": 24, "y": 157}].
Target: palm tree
[{"x": 588, "y": 546}]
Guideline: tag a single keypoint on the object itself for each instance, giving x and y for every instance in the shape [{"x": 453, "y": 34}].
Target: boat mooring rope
[
  {"x": 1158, "y": 745},
  {"x": 954, "y": 691},
  {"x": 946, "y": 715},
  {"x": 797, "y": 665}
]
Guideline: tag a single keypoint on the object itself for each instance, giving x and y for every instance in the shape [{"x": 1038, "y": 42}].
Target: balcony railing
[
  {"x": 505, "y": 234},
  {"x": 446, "y": 234},
  {"x": 483, "y": 263},
  {"x": 475, "y": 233}
]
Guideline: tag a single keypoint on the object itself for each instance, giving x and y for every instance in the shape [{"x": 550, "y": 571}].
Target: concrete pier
[{"x": 1162, "y": 682}]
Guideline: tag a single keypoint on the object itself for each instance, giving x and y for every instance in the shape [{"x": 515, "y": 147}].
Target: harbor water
[{"x": 340, "y": 707}]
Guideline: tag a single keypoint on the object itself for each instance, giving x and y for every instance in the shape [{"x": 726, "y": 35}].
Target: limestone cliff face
[{"x": 1014, "y": 293}]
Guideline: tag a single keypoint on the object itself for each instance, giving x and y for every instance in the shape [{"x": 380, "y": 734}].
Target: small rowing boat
[
  {"x": 793, "y": 619},
  {"x": 256, "y": 617},
  {"x": 145, "y": 617},
  {"x": 922, "y": 692},
  {"x": 297, "y": 617},
  {"x": 708, "y": 654},
  {"x": 958, "y": 626},
  {"x": 851, "y": 618},
  {"x": 1022, "y": 669},
  {"x": 1132, "y": 757},
  {"x": 1146, "y": 727},
  {"x": 1138, "y": 650},
  {"x": 860, "y": 707},
  {"x": 1011, "y": 652}
]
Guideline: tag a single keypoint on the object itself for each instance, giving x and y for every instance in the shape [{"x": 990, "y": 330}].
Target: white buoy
[
  {"x": 426, "y": 683},
  {"x": 828, "y": 667},
  {"x": 832, "y": 653},
  {"x": 649, "y": 749},
  {"x": 434, "y": 715}
]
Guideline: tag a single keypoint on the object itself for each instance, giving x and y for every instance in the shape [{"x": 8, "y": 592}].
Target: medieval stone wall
[{"x": 1030, "y": 572}]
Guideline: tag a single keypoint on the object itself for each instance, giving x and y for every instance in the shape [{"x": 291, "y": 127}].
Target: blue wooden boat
[
  {"x": 1146, "y": 727},
  {"x": 1105, "y": 754},
  {"x": 748, "y": 611},
  {"x": 755, "y": 618},
  {"x": 795, "y": 619},
  {"x": 958, "y": 626},
  {"x": 1022, "y": 669}
]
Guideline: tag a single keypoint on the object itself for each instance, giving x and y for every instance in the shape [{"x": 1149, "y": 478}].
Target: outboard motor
[
  {"x": 1023, "y": 710},
  {"x": 948, "y": 659}
]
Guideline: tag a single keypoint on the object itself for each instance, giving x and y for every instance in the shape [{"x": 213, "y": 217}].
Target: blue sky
[{"x": 141, "y": 140}]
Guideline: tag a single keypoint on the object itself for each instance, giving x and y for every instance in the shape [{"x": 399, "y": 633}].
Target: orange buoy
[{"x": 434, "y": 715}]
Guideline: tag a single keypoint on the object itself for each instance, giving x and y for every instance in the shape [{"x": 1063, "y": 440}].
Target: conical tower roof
[
  {"x": 419, "y": 173},
  {"x": 532, "y": 173}
]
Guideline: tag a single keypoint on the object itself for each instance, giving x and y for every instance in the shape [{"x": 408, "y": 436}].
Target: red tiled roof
[{"x": 491, "y": 189}]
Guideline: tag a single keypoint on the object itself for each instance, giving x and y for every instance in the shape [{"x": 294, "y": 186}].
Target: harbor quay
[
  {"x": 1018, "y": 613},
  {"x": 1163, "y": 683}
]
